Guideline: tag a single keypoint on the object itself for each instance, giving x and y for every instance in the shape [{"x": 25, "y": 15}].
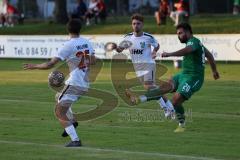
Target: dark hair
[
  {"x": 74, "y": 26},
  {"x": 185, "y": 26},
  {"x": 137, "y": 16}
]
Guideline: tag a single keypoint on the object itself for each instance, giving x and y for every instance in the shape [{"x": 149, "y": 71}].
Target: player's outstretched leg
[{"x": 151, "y": 94}]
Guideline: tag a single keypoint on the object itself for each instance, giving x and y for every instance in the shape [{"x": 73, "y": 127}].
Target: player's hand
[
  {"x": 165, "y": 54},
  {"x": 216, "y": 75},
  {"x": 114, "y": 46},
  {"x": 29, "y": 66}
]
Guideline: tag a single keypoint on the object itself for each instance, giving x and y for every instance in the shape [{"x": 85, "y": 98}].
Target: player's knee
[{"x": 61, "y": 110}]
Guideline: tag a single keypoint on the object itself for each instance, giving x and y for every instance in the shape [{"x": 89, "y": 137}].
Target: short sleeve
[
  {"x": 91, "y": 50},
  {"x": 64, "y": 52},
  {"x": 154, "y": 42},
  {"x": 125, "y": 38}
]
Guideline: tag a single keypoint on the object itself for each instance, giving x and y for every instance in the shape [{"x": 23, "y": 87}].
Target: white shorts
[
  {"x": 145, "y": 72},
  {"x": 70, "y": 94}
]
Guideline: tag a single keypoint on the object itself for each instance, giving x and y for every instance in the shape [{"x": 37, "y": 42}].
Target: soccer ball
[
  {"x": 56, "y": 79},
  {"x": 110, "y": 46}
]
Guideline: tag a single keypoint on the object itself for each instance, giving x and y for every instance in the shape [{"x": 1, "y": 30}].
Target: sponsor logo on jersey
[
  {"x": 142, "y": 44},
  {"x": 136, "y": 51}
]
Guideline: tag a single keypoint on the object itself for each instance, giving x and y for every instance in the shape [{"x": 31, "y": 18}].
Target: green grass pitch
[{"x": 30, "y": 131}]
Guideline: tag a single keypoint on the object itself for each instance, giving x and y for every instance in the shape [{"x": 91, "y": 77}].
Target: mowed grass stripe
[
  {"x": 130, "y": 108},
  {"x": 160, "y": 155}
]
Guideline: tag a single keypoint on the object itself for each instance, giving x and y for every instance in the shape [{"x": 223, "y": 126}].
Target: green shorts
[{"x": 187, "y": 84}]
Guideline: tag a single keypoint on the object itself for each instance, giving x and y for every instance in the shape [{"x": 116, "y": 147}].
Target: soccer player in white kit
[
  {"x": 143, "y": 58},
  {"x": 79, "y": 54}
]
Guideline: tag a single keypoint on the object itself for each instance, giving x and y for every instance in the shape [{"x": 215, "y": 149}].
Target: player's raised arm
[
  {"x": 47, "y": 65},
  {"x": 212, "y": 63},
  {"x": 179, "y": 53}
]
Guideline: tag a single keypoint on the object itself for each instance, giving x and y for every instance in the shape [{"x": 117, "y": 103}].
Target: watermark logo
[
  {"x": 148, "y": 116},
  {"x": 237, "y": 45}
]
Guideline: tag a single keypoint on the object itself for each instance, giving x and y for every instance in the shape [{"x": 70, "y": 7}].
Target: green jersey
[{"x": 193, "y": 63}]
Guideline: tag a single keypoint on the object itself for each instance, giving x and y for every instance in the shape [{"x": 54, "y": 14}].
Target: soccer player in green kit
[{"x": 188, "y": 81}]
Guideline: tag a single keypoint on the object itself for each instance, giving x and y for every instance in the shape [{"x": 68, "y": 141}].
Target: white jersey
[
  {"x": 141, "y": 51},
  {"x": 76, "y": 53},
  {"x": 141, "y": 54}
]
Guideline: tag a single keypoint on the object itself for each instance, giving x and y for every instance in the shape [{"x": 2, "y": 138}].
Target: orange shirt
[{"x": 11, "y": 9}]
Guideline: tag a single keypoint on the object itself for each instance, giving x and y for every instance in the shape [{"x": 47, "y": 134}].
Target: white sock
[
  {"x": 170, "y": 105},
  {"x": 162, "y": 103},
  {"x": 72, "y": 133}
]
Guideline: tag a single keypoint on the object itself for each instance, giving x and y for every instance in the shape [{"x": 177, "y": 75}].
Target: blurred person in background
[
  {"x": 3, "y": 12},
  {"x": 170, "y": 2},
  {"x": 102, "y": 10},
  {"x": 92, "y": 12},
  {"x": 162, "y": 13},
  {"x": 182, "y": 12},
  {"x": 9, "y": 15},
  {"x": 12, "y": 15},
  {"x": 80, "y": 10},
  {"x": 236, "y": 7}
]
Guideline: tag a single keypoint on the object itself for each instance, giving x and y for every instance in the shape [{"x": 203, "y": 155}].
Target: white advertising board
[{"x": 224, "y": 47}]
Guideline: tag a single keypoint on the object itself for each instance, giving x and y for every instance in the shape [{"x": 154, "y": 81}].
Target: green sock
[
  {"x": 153, "y": 94},
  {"x": 180, "y": 113}
]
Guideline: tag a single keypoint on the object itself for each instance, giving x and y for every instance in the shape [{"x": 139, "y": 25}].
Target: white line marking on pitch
[{"x": 115, "y": 150}]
